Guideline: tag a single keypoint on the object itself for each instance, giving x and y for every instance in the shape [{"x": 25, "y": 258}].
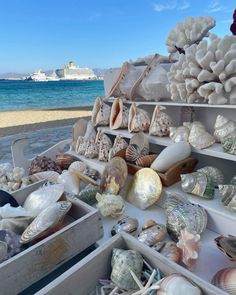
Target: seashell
[
  {"x": 187, "y": 114},
  {"x": 138, "y": 147},
  {"x": 171, "y": 155},
  {"x": 189, "y": 244},
  {"x": 138, "y": 119},
  {"x": 6, "y": 198},
  {"x": 196, "y": 124},
  {"x": 77, "y": 166},
  {"x": 199, "y": 138},
  {"x": 122, "y": 262},
  {"x": 45, "y": 175},
  {"x": 229, "y": 145},
  {"x": 152, "y": 234},
  {"x": 227, "y": 245},
  {"x": 225, "y": 280},
  {"x": 80, "y": 146},
  {"x": 101, "y": 113},
  {"x": 173, "y": 200},
  {"x": 160, "y": 123},
  {"x": 190, "y": 216},
  {"x": 64, "y": 160},
  {"x": 92, "y": 173},
  {"x": 40, "y": 199},
  {"x": 233, "y": 180},
  {"x": 16, "y": 224},
  {"x": 70, "y": 182},
  {"x": 118, "y": 145},
  {"x": 145, "y": 188},
  {"x": 104, "y": 143},
  {"x": 126, "y": 224},
  {"x": 132, "y": 153},
  {"x": 90, "y": 131},
  {"x": 119, "y": 114},
  {"x": 3, "y": 250},
  {"x": 88, "y": 194},
  {"x": 42, "y": 163},
  {"x": 180, "y": 133},
  {"x": 91, "y": 150},
  {"x": 146, "y": 161},
  {"x": 199, "y": 184},
  {"x": 114, "y": 176},
  {"x": 148, "y": 224},
  {"x": 176, "y": 284},
  {"x": 79, "y": 129},
  {"x": 110, "y": 205},
  {"x": 228, "y": 196},
  {"x": 46, "y": 220},
  {"x": 216, "y": 174},
  {"x": 224, "y": 128},
  {"x": 169, "y": 250},
  {"x": 7, "y": 211}
]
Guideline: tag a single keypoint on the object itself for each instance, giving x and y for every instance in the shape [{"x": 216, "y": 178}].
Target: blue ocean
[{"x": 22, "y": 95}]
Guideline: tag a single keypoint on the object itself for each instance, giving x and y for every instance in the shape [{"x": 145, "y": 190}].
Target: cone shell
[
  {"x": 160, "y": 123},
  {"x": 199, "y": 138},
  {"x": 216, "y": 174},
  {"x": 224, "y": 128},
  {"x": 225, "y": 279},
  {"x": 138, "y": 119},
  {"x": 146, "y": 161},
  {"x": 119, "y": 115},
  {"x": 228, "y": 246},
  {"x": 229, "y": 145},
  {"x": 228, "y": 196},
  {"x": 79, "y": 129},
  {"x": 101, "y": 113},
  {"x": 118, "y": 145}
]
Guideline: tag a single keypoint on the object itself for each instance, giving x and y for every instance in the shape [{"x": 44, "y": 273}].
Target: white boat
[
  {"x": 72, "y": 72},
  {"x": 38, "y": 76},
  {"x": 53, "y": 77}
]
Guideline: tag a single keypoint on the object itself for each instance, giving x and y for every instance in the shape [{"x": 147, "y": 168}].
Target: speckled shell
[
  {"x": 146, "y": 161},
  {"x": 180, "y": 133},
  {"x": 118, "y": 145},
  {"x": 105, "y": 144},
  {"x": 199, "y": 138},
  {"x": 88, "y": 194},
  {"x": 225, "y": 279},
  {"x": 138, "y": 119},
  {"x": 91, "y": 151},
  {"x": 122, "y": 261},
  {"x": 160, "y": 123},
  {"x": 216, "y": 174},
  {"x": 227, "y": 245},
  {"x": 81, "y": 145},
  {"x": 199, "y": 184},
  {"x": 224, "y": 128},
  {"x": 119, "y": 115},
  {"x": 229, "y": 145},
  {"x": 101, "y": 113},
  {"x": 190, "y": 216},
  {"x": 169, "y": 250},
  {"x": 126, "y": 224},
  {"x": 228, "y": 196},
  {"x": 153, "y": 234}
]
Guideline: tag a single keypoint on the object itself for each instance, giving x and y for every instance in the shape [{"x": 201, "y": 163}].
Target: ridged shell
[
  {"x": 160, "y": 123},
  {"x": 216, "y": 174},
  {"x": 225, "y": 279},
  {"x": 153, "y": 234},
  {"x": 126, "y": 224},
  {"x": 119, "y": 115},
  {"x": 227, "y": 245},
  {"x": 118, "y": 145},
  {"x": 64, "y": 160},
  {"x": 199, "y": 184},
  {"x": 77, "y": 166},
  {"x": 122, "y": 261},
  {"x": 101, "y": 113},
  {"x": 45, "y": 175},
  {"x": 199, "y": 138},
  {"x": 146, "y": 161},
  {"x": 40, "y": 199},
  {"x": 224, "y": 128},
  {"x": 169, "y": 250},
  {"x": 228, "y": 196},
  {"x": 132, "y": 153},
  {"x": 190, "y": 216},
  {"x": 180, "y": 133},
  {"x": 46, "y": 220},
  {"x": 229, "y": 145},
  {"x": 138, "y": 119}
]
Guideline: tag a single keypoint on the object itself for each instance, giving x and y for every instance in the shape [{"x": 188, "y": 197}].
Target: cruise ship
[
  {"x": 38, "y": 76},
  {"x": 72, "y": 72}
]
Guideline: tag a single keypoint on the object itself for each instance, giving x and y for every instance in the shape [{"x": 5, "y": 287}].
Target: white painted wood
[
  {"x": 29, "y": 266},
  {"x": 82, "y": 278}
]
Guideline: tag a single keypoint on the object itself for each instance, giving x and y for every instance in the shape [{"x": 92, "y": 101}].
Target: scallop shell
[
  {"x": 225, "y": 279},
  {"x": 122, "y": 262},
  {"x": 46, "y": 220},
  {"x": 216, "y": 174},
  {"x": 79, "y": 129},
  {"x": 138, "y": 119},
  {"x": 45, "y": 175},
  {"x": 227, "y": 245},
  {"x": 70, "y": 182},
  {"x": 132, "y": 153},
  {"x": 190, "y": 216},
  {"x": 91, "y": 150},
  {"x": 40, "y": 199},
  {"x": 169, "y": 250},
  {"x": 180, "y": 133},
  {"x": 6, "y": 198},
  {"x": 199, "y": 184},
  {"x": 199, "y": 138},
  {"x": 153, "y": 234},
  {"x": 77, "y": 166},
  {"x": 126, "y": 224},
  {"x": 64, "y": 160},
  {"x": 228, "y": 196},
  {"x": 224, "y": 128},
  {"x": 146, "y": 161},
  {"x": 229, "y": 145},
  {"x": 114, "y": 176},
  {"x": 101, "y": 113},
  {"x": 160, "y": 123},
  {"x": 118, "y": 145},
  {"x": 119, "y": 115},
  {"x": 16, "y": 224},
  {"x": 110, "y": 205},
  {"x": 145, "y": 188}
]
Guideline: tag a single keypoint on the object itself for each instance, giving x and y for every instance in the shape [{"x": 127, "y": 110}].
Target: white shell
[
  {"x": 199, "y": 138},
  {"x": 180, "y": 133},
  {"x": 216, "y": 174},
  {"x": 101, "y": 113},
  {"x": 224, "y": 128},
  {"x": 139, "y": 119},
  {"x": 70, "y": 182},
  {"x": 110, "y": 205},
  {"x": 17, "y": 224},
  {"x": 171, "y": 155},
  {"x": 46, "y": 175},
  {"x": 7, "y": 211},
  {"x": 77, "y": 166}
]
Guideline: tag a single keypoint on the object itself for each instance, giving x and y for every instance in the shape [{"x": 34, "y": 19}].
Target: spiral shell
[
  {"x": 229, "y": 145},
  {"x": 138, "y": 119},
  {"x": 228, "y": 196},
  {"x": 224, "y": 128},
  {"x": 225, "y": 279},
  {"x": 216, "y": 174}
]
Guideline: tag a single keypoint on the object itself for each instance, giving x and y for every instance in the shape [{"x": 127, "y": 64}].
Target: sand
[{"x": 13, "y": 122}]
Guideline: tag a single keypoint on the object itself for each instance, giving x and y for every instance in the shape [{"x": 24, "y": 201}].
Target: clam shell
[
  {"x": 101, "y": 113},
  {"x": 229, "y": 145},
  {"x": 45, "y": 175},
  {"x": 216, "y": 174},
  {"x": 145, "y": 188},
  {"x": 199, "y": 138},
  {"x": 46, "y": 220},
  {"x": 225, "y": 279},
  {"x": 160, "y": 123},
  {"x": 126, "y": 224},
  {"x": 119, "y": 115},
  {"x": 77, "y": 166},
  {"x": 138, "y": 119},
  {"x": 180, "y": 133},
  {"x": 122, "y": 262},
  {"x": 79, "y": 129},
  {"x": 114, "y": 176},
  {"x": 70, "y": 182},
  {"x": 224, "y": 128},
  {"x": 40, "y": 199},
  {"x": 146, "y": 161},
  {"x": 153, "y": 234},
  {"x": 64, "y": 160},
  {"x": 190, "y": 216},
  {"x": 132, "y": 153},
  {"x": 228, "y": 196},
  {"x": 227, "y": 245},
  {"x": 6, "y": 198}
]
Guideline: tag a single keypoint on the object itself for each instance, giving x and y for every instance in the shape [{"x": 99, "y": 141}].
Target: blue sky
[{"x": 48, "y": 33}]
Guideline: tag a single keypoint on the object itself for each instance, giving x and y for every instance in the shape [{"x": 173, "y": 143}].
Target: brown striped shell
[{"x": 146, "y": 161}]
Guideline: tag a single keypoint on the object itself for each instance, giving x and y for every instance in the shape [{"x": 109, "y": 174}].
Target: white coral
[
  {"x": 206, "y": 73},
  {"x": 191, "y": 31}
]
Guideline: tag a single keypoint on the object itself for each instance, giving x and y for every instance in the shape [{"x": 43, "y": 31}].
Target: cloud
[
  {"x": 216, "y": 7},
  {"x": 159, "y": 7}
]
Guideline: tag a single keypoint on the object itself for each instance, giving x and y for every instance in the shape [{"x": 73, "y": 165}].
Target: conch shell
[
  {"x": 161, "y": 122},
  {"x": 224, "y": 128},
  {"x": 101, "y": 113},
  {"x": 104, "y": 145},
  {"x": 119, "y": 114},
  {"x": 138, "y": 119}
]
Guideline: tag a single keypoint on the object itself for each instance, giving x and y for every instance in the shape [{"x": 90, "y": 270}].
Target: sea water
[{"x": 22, "y": 95}]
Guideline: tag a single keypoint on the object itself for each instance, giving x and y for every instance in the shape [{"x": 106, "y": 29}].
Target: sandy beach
[{"x": 12, "y": 122}]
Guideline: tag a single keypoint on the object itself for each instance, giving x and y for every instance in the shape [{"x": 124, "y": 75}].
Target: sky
[{"x": 47, "y": 34}]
